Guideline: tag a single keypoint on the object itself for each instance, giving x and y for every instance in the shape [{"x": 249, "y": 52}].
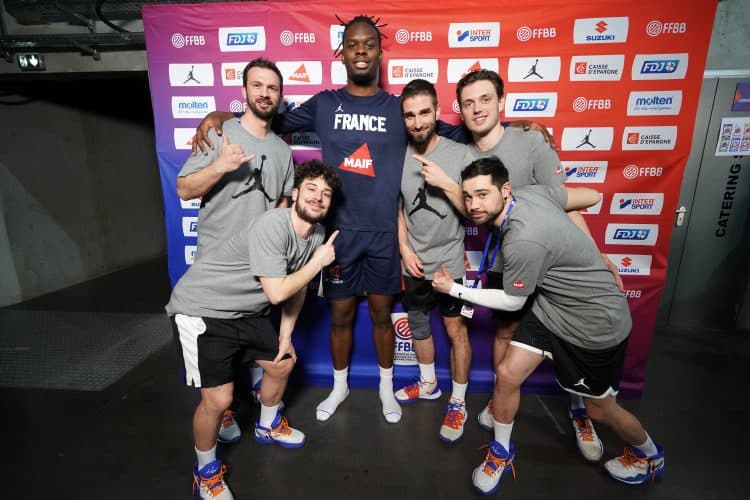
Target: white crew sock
[
  {"x": 502, "y": 433},
  {"x": 648, "y": 447},
  {"x": 459, "y": 391},
  {"x": 340, "y": 391},
  {"x": 205, "y": 457},
  {"x": 427, "y": 372},
  {"x": 267, "y": 414},
  {"x": 391, "y": 408}
]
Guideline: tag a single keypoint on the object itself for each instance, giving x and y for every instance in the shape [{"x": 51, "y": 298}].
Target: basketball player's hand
[
  {"x": 325, "y": 253},
  {"x": 613, "y": 268},
  {"x": 231, "y": 156},
  {"x": 285, "y": 347},
  {"x": 212, "y": 120},
  {"x": 529, "y": 125},
  {"x": 412, "y": 263},
  {"x": 442, "y": 281},
  {"x": 432, "y": 173}
]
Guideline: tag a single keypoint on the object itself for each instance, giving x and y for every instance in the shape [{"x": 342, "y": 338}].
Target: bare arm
[
  {"x": 434, "y": 175},
  {"x": 201, "y": 182},
  {"x": 280, "y": 289},
  {"x": 290, "y": 310},
  {"x": 409, "y": 257},
  {"x": 580, "y": 198},
  {"x": 213, "y": 120}
]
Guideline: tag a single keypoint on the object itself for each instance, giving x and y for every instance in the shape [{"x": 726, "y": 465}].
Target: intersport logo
[
  {"x": 458, "y": 68},
  {"x": 659, "y": 66},
  {"x": 587, "y": 138},
  {"x": 301, "y": 72},
  {"x": 649, "y": 138},
  {"x": 192, "y": 106},
  {"x": 601, "y": 30},
  {"x": 655, "y": 102},
  {"x": 402, "y": 71},
  {"x": 531, "y": 104},
  {"x": 191, "y": 75},
  {"x": 597, "y": 68},
  {"x": 637, "y": 203},
  {"x": 533, "y": 69},
  {"x": 479, "y": 34},
  {"x": 638, "y": 265},
  {"x": 586, "y": 172}
]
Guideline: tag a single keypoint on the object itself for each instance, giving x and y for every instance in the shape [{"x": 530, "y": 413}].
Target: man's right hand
[
  {"x": 231, "y": 156},
  {"x": 213, "y": 120},
  {"x": 325, "y": 253},
  {"x": 412, "y": 263}
]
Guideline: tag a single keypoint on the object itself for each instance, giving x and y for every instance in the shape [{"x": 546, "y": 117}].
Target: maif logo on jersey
[
  {"x": 533, "y": 69},
  {"x": 655, "y": 102},
  {"x": 593, "y": 68},
  {"x": 301, "y": 72},
  {"x": 601, "y": 30},
  {"x": 659, "y": 66},
  {"x": 650, "y": 138},
  {"x": 637, "y": 265},
  {"x": 531, "y": 104},
  {"x": 637, "y": 203},
  {"x": 242, "y": 39},
  {"x": 191, "y": 75},
  {"x": 631, "y": 234},
  {"x": 588, "y": 172},
  {"x": 474, "y": 35},
  {"x": 359, "y": 162},
  {"x": 587, "y": 138},
  {"x": 458, "y": 68}
]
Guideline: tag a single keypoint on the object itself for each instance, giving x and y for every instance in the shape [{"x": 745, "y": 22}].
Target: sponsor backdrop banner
[{"x": 617, "y": 83}]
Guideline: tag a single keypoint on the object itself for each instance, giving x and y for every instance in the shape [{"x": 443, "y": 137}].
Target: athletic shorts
[
  {"x": 212, "y": 349},
  {"x": 367, "y": 262},
  {"x": 420, "y": 296},
  {"x": 592, "y": 373}
]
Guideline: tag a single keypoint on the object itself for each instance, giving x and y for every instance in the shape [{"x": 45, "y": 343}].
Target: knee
[
  {"x": 456, "y": 330},
  {"x": 506, "y": 375},
  {"x": 419, "y": 324},
  {"x": 217, "y": 401},
  {"x": 595, "y": 409}
]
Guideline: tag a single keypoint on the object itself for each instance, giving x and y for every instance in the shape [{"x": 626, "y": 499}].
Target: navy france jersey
[{"x": 364, "y": 140}]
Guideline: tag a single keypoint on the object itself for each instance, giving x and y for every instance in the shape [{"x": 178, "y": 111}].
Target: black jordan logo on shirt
[
  {"x": 257, "y": 179},
  {"x": 422, "y": 199}
]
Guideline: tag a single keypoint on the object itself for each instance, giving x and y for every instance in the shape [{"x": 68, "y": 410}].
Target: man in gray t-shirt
[
  {"x": 220, "y": 314},
  {"x": 431, "y": 233},
  {"x": 579, "y": 318}
]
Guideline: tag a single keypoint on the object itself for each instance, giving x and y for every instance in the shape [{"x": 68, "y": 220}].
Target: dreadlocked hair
[{"x": 362, "y": 18}]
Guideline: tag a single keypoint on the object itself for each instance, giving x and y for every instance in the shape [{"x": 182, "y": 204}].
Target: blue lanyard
[{"x": 482, "y": 269}]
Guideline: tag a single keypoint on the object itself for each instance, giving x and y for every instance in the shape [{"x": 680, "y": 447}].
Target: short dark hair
[
  {"x": 315, "y": 168},
  {"x": 363, "y": 19},
  {"x": 475, "y": 76},
  {"x": 419, "y": 87},
  {"x": 262, "y": 62},
  {"x": 490, "y": 165}
]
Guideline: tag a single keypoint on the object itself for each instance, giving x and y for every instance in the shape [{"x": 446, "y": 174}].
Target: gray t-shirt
[
  {"x": 225, "y": 282},
  {"x": 435, "y": 228},
  {"x": 246, "y": 192},
  {"x": 527, "y": 157},
  {"x": 544, "y": 250}
]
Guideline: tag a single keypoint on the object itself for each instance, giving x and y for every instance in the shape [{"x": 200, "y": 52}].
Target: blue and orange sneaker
[
  {"x": 633, "y": 467},
  {"x": 587, "y": 440},
  {"x": 208, "y": 483},
  {"x": 487, "y": 476},
  {"x": 453, "y": 421},
  {"x": 229, "y": 431},
  {"x": 418, "y": 390},
  {"x": 279, "y": 433}
]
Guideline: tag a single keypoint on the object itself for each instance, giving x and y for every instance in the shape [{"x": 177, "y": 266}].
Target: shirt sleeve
[
  {"x": 198, "y": 162},
  {"x": 524, "y": 266},
  {"x": 546, "y": 166},
  {"x": 268, "y": 248},
  {"x": 458, "y": 133},
  {"x": 299, "y": 119}
]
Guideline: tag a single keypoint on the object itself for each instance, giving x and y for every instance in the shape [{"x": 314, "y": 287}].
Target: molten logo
[
  {"x": 359, "y": 162},
  {"x": 601, "y": 26},
  {"x": 300, "y": 75}
]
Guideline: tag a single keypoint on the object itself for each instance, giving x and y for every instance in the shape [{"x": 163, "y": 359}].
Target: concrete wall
[{"x": 80, "y": 194}]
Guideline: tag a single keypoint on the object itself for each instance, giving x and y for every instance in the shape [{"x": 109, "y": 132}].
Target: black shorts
[
  {"x": 593, "y": 373},
  {"x": 212, "y": 349},
  {"x": 420, "y": 296}
]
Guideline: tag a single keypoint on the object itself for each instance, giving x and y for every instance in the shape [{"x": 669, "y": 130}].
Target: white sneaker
[
  {"x": 229, "y": 431},
  {"x": 487, "y": 476},
  {"x": 208, "y": 483},
  {"x": 587, "y": 440},
  {"x": 486, "y": 418},
  {"x": 633, "y": 467},
  {"x": 453, "y": 421},
  {"x": 418, "y": 390},
  {"x": 280, "y": 433}
]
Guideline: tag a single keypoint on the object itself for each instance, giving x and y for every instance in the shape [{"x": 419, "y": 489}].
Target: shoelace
[
  {"x": 493, "y": 464},
  {"x": 282, "y": 428},
  {"x": 214, "y": 484},
  {"x": 629, "y": 459},
  {"x": 455, "y": 416},
  {"x": 413, "y": 390},
  {"x": 227, "y": 419},
  {"x": 584, "y": 428}
]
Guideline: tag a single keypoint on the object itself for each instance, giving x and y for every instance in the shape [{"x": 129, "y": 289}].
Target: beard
[
  {"x": 308, "y": 217},
  {"x": 263, "y": 115},
  {"x": 363, "y": 79},
  {"x": 425, "y": 137}
]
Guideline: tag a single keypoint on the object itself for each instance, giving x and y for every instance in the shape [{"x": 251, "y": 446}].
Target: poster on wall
[
  {"x": 618, "y": 83},
  {"x": 734, "y": 137}
]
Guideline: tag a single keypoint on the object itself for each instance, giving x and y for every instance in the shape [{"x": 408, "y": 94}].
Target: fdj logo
[
  {"x": 631, "y": 234},
  {"x": 531, "y": 105},
  {"x": 662, "y": 66},
  {"x": 235, "y": 39}
]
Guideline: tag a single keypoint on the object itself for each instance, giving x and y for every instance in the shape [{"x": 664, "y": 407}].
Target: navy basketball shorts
[
  {"x": 212, "y": 349},
  {"x": 592, "y": 373},
  {"x": 367, "y": 262}
]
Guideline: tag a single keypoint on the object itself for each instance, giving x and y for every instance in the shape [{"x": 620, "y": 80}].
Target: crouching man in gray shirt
[
  {"x": 220, "y": 315},
  {"x": 579, "y": 317}
]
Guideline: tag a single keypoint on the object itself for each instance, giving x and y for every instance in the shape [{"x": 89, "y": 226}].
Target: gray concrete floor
[{"x": 133, "y": 439}]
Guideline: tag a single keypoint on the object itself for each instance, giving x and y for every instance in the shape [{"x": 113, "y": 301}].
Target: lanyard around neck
[{"x": 482, "y": 268}]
